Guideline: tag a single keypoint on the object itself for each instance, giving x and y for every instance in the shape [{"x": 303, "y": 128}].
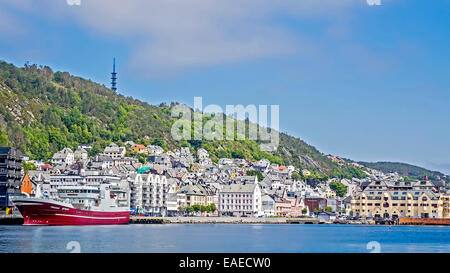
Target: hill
[
  {"x": 42, "y": 111},
  {"x": 405, "y": 170}
]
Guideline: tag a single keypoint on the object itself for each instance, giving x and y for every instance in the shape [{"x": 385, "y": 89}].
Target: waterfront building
[
  {"x": 197, "y": 195},
  {"x": 445, "y": 199},
  {"x": 241, "y": 199},
  {"x": 326, "y": 216},
  {"x": 149, "y": 192},
  {"x": 268, "y": 205},
  {"x": 333, "y": 204},
  {"x": 172, "y": 205},
  {"x": 10, "y": 174},
  {"x": 121, "y": 191},
  {"x": 316, "y": 203},
  {"x": 282, "y": 207},
  {"x": 395, "y": 199}
]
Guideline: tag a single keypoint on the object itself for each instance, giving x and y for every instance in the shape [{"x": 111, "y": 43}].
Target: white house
[
  {"x": 155, "y": 150},
  {"x": 65, "y": 156},
  {"x": 225, "y": 161},
  {"x": 240, "y": 199},
  {"x": 202, "y": 154},
  {"x": 114, "y": 151},
  {"x": 80, "y": 154},
  {"x": 268, "y": 205}
]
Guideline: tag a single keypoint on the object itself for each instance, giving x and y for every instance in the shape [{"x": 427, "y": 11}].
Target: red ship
[{"x": 76, "y": 205}]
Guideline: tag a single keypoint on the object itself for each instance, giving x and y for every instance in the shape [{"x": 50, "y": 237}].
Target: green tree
[
  {"x": 339, "y": 188},
  {"x": 329, "y": 209},
  {"x": 3, "y": 139},
  {"x": 296, "y": 176},
  {"x": 28, "y": 166},
  {"x": 196, "y": 207},
  {"x": 159, "y": 142},
  {"x": 212, "y": 207},
  {"x": 189, "y": 209},
  {"x": 304, "y": 211},
  {"x": 256, "y": 173}
]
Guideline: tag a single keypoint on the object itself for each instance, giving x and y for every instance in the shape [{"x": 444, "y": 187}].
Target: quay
[
  {"x": 11, "y": 220},
  {"x": 221, "y": 220},
  {"x": 424, "y": 221}
]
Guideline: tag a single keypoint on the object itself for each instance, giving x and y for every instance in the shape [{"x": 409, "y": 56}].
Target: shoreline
[{"x": 18, "y": 220}]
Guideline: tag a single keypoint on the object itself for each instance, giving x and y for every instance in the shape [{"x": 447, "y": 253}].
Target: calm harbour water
[{"x": 226, "y": 238}]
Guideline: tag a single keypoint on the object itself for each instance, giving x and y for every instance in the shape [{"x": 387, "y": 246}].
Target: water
[{"x": 226, "y": 238}]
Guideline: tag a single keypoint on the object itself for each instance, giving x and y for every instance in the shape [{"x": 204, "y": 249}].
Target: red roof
[{"x": 47, "y": 166}]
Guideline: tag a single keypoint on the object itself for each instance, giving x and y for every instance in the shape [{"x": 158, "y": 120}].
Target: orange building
[
  {"x": 139, "y": 148},
  {"x": 27, "y": 185}
]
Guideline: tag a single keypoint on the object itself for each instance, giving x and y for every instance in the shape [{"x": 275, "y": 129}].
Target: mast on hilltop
[{"x": 114, "y": 77}]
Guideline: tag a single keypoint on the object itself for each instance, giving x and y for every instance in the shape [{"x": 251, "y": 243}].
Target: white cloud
[{"x": 178, "y": 34}]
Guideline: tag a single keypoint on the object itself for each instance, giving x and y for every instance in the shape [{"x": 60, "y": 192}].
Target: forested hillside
[
  {"x": 405, "y": 170},
  {"x": 42, "y": 111}
]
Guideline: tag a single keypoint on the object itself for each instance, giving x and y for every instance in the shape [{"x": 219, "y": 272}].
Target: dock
[
  {"x": 424, "y": 221},
  {"x": 11, "y": 220},
  {"x": 221, "y": 220}
]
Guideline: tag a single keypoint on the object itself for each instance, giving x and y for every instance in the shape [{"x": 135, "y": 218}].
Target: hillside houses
[{"x": 169, "y": 182}]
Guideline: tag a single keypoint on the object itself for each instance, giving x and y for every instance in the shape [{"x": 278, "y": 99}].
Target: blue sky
[{"x": 363, "y": 82}]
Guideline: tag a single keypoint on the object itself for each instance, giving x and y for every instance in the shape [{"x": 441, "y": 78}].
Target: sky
[{"x": 366, "y": 82}]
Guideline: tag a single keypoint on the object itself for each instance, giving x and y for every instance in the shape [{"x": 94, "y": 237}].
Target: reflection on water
[{"x": 225, "y": 238}]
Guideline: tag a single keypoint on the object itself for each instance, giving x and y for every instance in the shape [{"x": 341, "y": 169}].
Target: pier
[
  {"x": 425, "y": 221},
  {"x": 221, "y": 220},
  {"x": 11, "y": 220}
]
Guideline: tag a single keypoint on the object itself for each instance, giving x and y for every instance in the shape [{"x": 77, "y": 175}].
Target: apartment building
[
  {"x": 149, "y": 193},
  {"x": 10, "y": 174},
  {"x": 395, "y": 199}
]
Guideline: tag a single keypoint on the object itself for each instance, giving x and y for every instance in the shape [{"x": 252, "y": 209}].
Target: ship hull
[{"x": 50, "y": 213}]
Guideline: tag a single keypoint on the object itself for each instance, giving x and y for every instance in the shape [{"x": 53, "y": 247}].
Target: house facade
[
  {"x": 400, "y": 199},
  {"x": 240, "y": 200},
  {"x": 114, "y": 151},
  {"x": 149, "y": 193}
]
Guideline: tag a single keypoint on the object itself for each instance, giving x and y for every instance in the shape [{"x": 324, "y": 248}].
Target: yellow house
[
  {"x": 329, "y": 193},
  {"x": 139, "y": 148},
  {"x": 306, "y": 172}
]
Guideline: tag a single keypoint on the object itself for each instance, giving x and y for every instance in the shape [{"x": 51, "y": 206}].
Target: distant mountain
[
  {"x": 405, "y": 170},
  {"x": 42, "y": 112}
]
